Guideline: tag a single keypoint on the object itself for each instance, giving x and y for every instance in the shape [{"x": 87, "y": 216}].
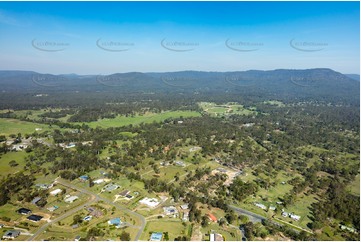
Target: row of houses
[{"x": 291, "y": 215}]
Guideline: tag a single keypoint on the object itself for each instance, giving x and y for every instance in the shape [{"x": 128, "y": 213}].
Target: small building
[
  {"x": 260, "y": 205},
  {"x": 98, "y": 181},
  {"x": 117, "y": 222},
  {"x": 212, "y": 217},
  {"x": 128, "y": 197},
  {"x": 273, "y": 208},
  {"x": 171, "y": 210},
  {"x": 110, "y": 187},
  {"x": 88, "y": 218},
  {"x": 75, "y": 226},
  {"x": 56, "y": 192},
  {"x": 11, "y": 234},
  {"x": 84, "y": 178},
  {"x": 195, "y": 148},
  {"x": 185, "y": 206},
  {"x": 52, "y": 208},
  {"x": 34, "y": 218},
  {"x": 36, "y": 200},
  {"x": 179, "y": 163},
  {"x": 295, "y": 217},
  {"x": 344, "y": 227},
  {"x": 70, "y": 145},
  {"x": 157, "y": 236},
  {"x": 24, "y": 211},
  {"x": 70, "y": 199},
  {"x": 150, "y": 202},
  {"x": 124, "y": 193},
  {"x": 185, "y": 216},
  {"x": 42, "y": 186},
  {"x": 215, "y": 237}
]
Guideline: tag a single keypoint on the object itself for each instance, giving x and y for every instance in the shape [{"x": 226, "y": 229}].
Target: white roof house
[
  {"x": 56, "y": 192},
  {"x": 171, "y": 210},
  {"x": 184, "y": 206},
  {"x": 150, "y": 202},
  {"x": 295, "y": 217},
  {"x": 98, "y": 181},
  {"x": 260, "y": 205},
  {"x": 71, "y": 199}
]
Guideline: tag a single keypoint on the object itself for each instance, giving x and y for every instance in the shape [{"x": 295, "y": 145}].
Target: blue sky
[{"x": 109, "y": 37}]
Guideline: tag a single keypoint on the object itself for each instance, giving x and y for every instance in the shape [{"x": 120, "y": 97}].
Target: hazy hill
[{"x": 319, "y": 83}]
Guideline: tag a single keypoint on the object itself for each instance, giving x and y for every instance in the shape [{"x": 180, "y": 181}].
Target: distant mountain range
[
  {"x": 319, "y": 82},
  {"x": 353, "y": 76}
]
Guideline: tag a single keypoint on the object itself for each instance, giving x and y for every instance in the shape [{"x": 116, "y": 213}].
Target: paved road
[
  {"x": 141, "y": 218},
  {"x": 61, "y": 217},
  {"x": 254, "y": 218}
]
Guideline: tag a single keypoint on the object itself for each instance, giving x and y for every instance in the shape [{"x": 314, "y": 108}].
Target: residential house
[
  {"x": 215, "y": 237},
  {"x": 70, "y": 199},
  {"x": 157, "y": 236},
  {"x": 185, "y": 206},
  {"x": 212, "y": 217},
  {"x": 52, "y": 208},
  {"x": 150, "y": 202},
  {"x": 36, "y": 200},
  {"x": 56, "y": 192},
  {"x": 11, "y": 234},
  {"x": 185, "y": 216},
  {"x": 34, "y": 218},
  {"x": 98, "y": 181},
  {"x": 117, "y": 222},
  {"x": 260, "y": 205},
  {"x": 110, "y": 187},
  {"x": 84, "y": 178},
  {"x": 171, "y": 210},
  {"x": 24, "y": 211},
  {"x": 42, "y": 186},
  {"x": 295, "y": 217},
  {"x": 179, "y": 163},
  {"x": 273, "y": 208}
]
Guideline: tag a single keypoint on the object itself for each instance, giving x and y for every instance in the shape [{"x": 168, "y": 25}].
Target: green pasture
[{"x": 138, "y": 119}]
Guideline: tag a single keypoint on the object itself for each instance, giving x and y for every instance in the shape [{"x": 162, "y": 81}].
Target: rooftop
[
  {"x": 156, "y": 236},
  {"x": 11, "y": 234},
  {"x": 24, "y": 211},
  {"x": 35, "y": 218}
]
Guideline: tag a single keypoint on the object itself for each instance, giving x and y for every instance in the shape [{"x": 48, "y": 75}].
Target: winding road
[
  {"x": 94, "y": 197},
  {"x": 254, "y": 218}
]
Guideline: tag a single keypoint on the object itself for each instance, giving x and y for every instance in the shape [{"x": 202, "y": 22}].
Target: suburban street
[
  {"x": 61, "y": 217},
  {"x": 99, "y": 198}
]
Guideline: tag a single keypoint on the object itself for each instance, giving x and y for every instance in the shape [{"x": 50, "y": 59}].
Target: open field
[
  {"x": 174, "y": 228},
  {"x": 225, "y": 109},
  {"x": 18, "y": 156},
  {"x": 14, "y": 126},
  {"x": 229, "y": 234},
  {"x": 147, "y": 118}
]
